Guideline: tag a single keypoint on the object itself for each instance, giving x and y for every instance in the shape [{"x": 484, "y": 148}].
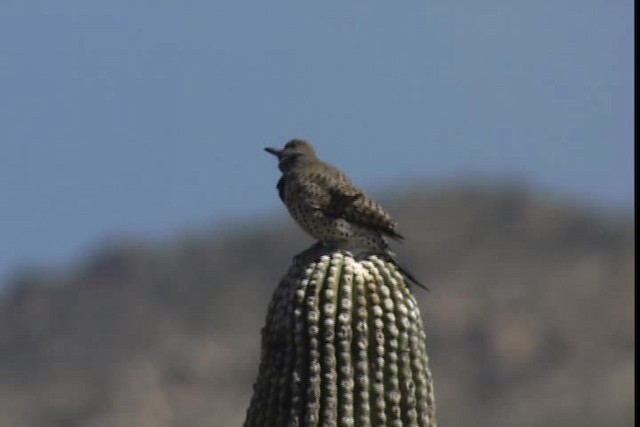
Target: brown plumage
[{"x": 329, "y": 206}]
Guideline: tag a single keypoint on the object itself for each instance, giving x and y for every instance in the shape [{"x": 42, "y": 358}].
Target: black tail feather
[
  {"x": 392, "y": 258},
  {"x": 393, "y": 234},
  {"x": 409, "y": 276}
]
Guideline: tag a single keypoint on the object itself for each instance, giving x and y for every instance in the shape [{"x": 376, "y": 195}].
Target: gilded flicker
[{"x": 329, "y": 207}]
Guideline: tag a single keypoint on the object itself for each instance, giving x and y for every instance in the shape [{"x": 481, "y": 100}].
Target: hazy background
[
  {"x": 141, "y": 234},
  {"x": 148, "y": 118}
]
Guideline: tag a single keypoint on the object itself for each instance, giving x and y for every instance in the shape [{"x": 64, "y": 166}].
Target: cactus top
[{"x": 343, "y": 345}]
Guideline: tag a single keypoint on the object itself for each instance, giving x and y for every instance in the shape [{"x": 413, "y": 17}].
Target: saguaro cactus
[{"x": 343, "y": 345}]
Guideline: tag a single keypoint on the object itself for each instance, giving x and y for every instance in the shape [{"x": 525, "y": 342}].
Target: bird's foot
[
  {"x": 311, "y": 251},
  {"x": 318, "y": 249}
]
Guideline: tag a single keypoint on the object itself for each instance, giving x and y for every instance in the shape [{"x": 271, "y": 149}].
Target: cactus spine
[{"x": 343, "y": 345}]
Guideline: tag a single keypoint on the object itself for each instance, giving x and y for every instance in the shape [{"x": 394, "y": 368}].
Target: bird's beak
[{"x": 273, "y": 151}]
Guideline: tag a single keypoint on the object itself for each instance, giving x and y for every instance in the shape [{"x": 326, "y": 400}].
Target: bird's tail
[{"x": 391, "y": 257}]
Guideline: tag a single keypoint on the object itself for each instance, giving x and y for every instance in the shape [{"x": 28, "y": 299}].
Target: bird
[{"x": 329, "y": 207}]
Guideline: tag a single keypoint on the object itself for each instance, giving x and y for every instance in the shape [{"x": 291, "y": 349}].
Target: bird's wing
[{"x": 345, "y": 200}]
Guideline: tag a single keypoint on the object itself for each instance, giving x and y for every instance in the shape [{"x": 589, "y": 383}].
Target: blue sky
[{"x": 147, "y": 118}]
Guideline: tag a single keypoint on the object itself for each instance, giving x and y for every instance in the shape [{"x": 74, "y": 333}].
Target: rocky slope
[{"x": 529, "y": 321}]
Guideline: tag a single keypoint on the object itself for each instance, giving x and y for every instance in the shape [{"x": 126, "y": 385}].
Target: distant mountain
[{"x": 529, "y": 321}]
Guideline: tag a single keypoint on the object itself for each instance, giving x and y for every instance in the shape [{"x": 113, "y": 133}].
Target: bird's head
[{"x": 294, "y": 153}]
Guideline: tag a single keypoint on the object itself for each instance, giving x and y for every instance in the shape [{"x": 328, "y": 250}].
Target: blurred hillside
[{"x": 529, "y": 321}]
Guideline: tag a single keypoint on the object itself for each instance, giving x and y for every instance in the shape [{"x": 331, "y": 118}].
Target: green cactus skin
[{"x": 343, "y": 345}]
